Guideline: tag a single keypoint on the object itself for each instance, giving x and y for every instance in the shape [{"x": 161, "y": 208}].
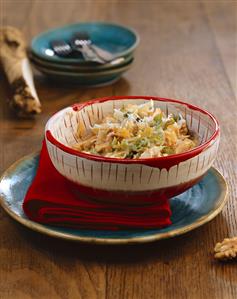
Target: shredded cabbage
[{"x": 137, "y": 131}]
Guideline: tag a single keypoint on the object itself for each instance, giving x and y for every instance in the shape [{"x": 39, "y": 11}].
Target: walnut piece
[{"x": 227, "y": 249}]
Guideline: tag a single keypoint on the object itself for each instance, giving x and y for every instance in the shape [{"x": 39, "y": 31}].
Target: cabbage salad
[{"x": 137, "y": 131}]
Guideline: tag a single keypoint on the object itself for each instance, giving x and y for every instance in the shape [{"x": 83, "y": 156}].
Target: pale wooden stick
[{"x": 16, "y": 65}]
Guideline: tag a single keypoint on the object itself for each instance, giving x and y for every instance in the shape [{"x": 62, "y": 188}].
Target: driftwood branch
[{"x": 16, "y": 65}]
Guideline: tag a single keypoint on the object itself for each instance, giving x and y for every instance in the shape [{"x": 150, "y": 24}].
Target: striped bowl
[{"x": 129, "y": 181}]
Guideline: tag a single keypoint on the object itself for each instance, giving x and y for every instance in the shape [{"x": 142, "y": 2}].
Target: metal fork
[
  {"x": 83, "y": 39},
  {"x": 80, "y": 42},
  {"x": 61, "y": 48}
]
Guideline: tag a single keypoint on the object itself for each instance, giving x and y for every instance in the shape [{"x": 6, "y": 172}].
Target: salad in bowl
[
  {"x": 133, "y": 149},
  {"x": 136, "y": 131}
]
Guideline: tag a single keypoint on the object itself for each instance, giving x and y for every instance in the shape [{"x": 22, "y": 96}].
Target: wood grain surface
[{"x": 188, "y": 51}]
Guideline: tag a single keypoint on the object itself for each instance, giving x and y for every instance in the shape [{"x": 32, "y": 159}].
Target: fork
[
  {"x": 83, "y": 39},
  {"x": 61, "y": 48},
  {"x": 80, "y": 42}
]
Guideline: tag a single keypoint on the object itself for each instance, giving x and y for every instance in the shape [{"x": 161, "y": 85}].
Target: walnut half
[{"x": 227, "y": 249}]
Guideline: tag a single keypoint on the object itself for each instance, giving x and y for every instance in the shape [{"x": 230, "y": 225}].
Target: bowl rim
[
  {"x": 72, "y": 60},
  {"x": 183, "y": 156}
]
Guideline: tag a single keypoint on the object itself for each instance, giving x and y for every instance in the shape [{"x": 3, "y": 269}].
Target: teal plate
[
  {"x": 117, "y": 39},
  {"x": 91, "y": 79},
  {"x": 95, "y": 67},
  {"x": 190, "y": 209}
]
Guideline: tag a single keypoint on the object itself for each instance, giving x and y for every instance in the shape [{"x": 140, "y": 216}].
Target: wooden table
[{"x": 187, "y": 51}]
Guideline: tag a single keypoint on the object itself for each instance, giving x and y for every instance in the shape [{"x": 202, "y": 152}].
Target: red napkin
[{"x": 50, "y": 200}]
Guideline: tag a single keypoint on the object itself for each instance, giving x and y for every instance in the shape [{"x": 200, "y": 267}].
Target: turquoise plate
[
  {"x": 190, "y": 209},
  {"x": 117, "y": 39},
  {"x": 91, "y": 79},
  {"x": 122, "y": 61}
]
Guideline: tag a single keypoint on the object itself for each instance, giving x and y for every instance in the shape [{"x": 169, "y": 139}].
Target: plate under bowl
[{"x": 191, "y": 209}]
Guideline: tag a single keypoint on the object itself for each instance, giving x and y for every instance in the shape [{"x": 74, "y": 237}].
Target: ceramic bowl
[
  {"x": 117, "y": 39},
  {"x": 119, "y": 62},
  {"x": 130, "y": 180},
  {"x": 99, "y": 78}
]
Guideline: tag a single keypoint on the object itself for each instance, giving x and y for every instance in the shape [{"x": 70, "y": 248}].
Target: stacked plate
[{"x": 117, "y": 40}]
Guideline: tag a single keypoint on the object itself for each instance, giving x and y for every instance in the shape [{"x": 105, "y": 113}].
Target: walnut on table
[
  {"x": 15, "y": 63},
  {"x": 227, "y": 249}
]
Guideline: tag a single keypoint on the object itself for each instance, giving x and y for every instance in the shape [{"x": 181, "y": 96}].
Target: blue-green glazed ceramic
[
  {"x": 117, "y": 39},
  {"x": 119, "y": 62},
  {"x": 91, "y": 79},
  {"x": 190, "y": 209}
]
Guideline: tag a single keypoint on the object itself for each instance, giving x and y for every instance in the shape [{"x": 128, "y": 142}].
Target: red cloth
[{"x": 50, "y": 200}]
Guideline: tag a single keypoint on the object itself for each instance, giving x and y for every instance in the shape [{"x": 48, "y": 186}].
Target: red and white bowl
[{"x": 130, "y": 180}]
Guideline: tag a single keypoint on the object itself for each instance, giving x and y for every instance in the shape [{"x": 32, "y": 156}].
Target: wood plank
[
  {"x": 186, "y": 52},
  {"x": 10, "y": 9},
  {"x": 224, "y": 27}
]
